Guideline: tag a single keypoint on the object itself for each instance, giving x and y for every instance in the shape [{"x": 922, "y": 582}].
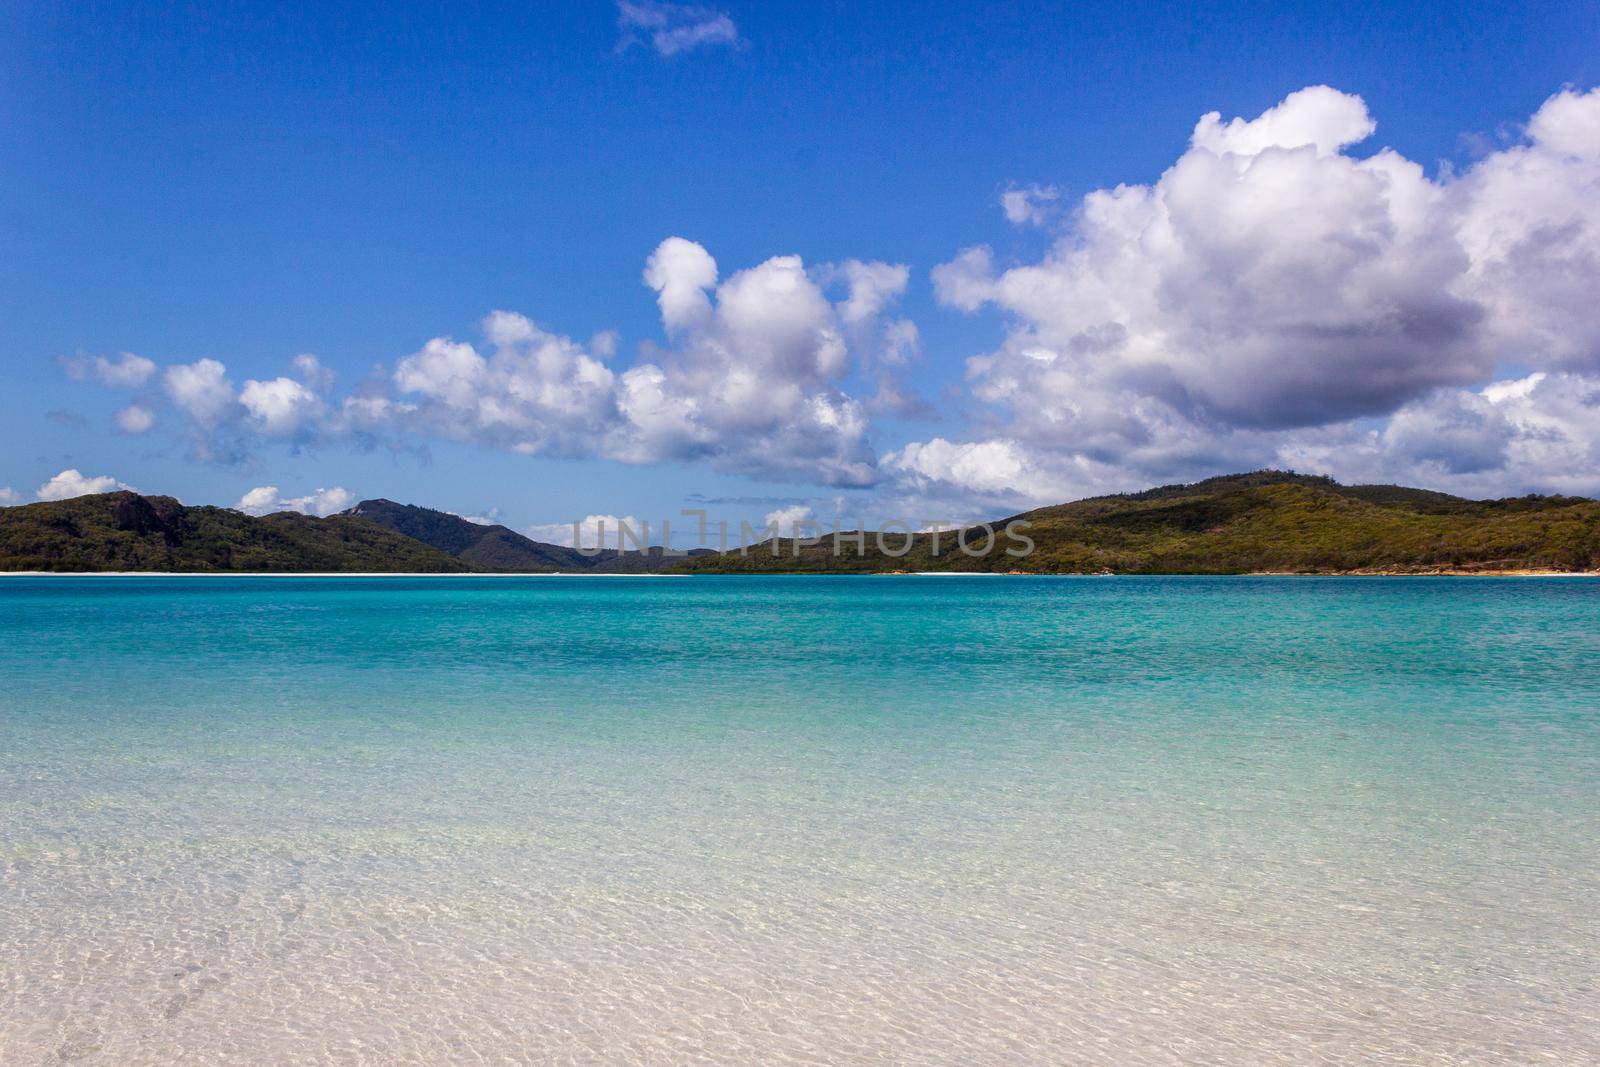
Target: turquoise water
[{"x": 799, "y": 820}]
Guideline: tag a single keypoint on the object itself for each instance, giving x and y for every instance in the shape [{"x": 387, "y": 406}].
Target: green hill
[
  {"x": 1262, "y": 521},
  {"x": 128, "y": 532}
]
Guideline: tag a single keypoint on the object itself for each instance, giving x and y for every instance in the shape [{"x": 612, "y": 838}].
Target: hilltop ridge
[{"x": 1260, "y": 521}]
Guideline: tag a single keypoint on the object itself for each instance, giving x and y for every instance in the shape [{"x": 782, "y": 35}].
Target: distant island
[{"x": 1262, "y": 522}]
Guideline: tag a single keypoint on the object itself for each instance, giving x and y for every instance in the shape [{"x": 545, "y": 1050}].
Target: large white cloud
[
  {"x": 1266, "y": 279},
  {"x": 1273, "y": 288},
  {"x": 752, "y": 380},
  {"x": 1528, "y": 219}
]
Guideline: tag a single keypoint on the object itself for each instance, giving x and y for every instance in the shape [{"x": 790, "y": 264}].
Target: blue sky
[{"x": 247, "y": 183}]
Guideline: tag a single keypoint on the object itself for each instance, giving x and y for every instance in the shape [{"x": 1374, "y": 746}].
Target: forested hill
[
  {"x": 126, "y": 531},
  {"x": 1266, "y": 521},
  {"x": 129, "y": 532}
]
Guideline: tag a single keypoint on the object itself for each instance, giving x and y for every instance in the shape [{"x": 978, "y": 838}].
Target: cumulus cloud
[
  {"x": 202, "y": 391},
  {"x": 1528, "y": 220},
  {"x": 988, "y": 468},
  {"x": 1285, "y": 293},
  {"x": 533, "y": 393},
  {"x": 265, "y": 499},
  {"x": 1265, "y": 280},
  {"x": 282, "y": 407},
  {"x": 1318, "y": 117},
  {"x": 1272, "y": 289},
  {"x": 8, "y": 495},
  {"x": 72, "y": 482},
  {"x": 134, "y": 419},
  {"x": 672, "y": 28},
  {"x": 752, "y": 379},
  {"x": 681, "y": 272}
]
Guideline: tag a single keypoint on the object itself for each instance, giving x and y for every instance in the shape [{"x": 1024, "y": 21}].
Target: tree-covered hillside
[
  {"x": 1263, "y": 521},
  {"x": 128, "y": 532}
]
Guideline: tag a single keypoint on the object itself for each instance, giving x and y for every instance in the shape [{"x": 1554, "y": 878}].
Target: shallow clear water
[{"x": 799, "y": 820}]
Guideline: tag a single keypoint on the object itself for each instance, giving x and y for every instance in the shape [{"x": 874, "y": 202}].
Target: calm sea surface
[{"x": 799, "y": 820}]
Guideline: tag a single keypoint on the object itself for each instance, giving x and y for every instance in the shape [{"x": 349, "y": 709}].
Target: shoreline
[
  {"x": 329, "y": 574},
  {"x": 1452, "y": 573}
]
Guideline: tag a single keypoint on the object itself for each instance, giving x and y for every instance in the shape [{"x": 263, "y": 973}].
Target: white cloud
[
  {"x": 792, "y": 521},
  {"x": 8, "y": 495},
  {"x": 72, "y": 482},
  {"x": 1273, "y": 297},
  {"x": 672, "y": 28},
  {"x": 134, "y": 419},
  {"x": 266, "y": 498},
  {"x": 1528, "y": 219},
  {"x": 536, "y": 393},
  {"x": 752, "y": 381},
  {"x": 873, "y": 287},
  {"x": 1288, "y": 287},
  {"x": 1538, "y": 433},
  {"x": 281, "y": 407},
  {"x": 681, "y": 272},
  {"x": 202, "y": 391},
  {"x": 1319, "y": 116},
  {"x": 127, "y": 371},
  {"x": 755, "y": 383},
  {"x": 1271, "y": 289},
  {"x": 1031, "y": 205},
  {"x": 996, "y": 469}
]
